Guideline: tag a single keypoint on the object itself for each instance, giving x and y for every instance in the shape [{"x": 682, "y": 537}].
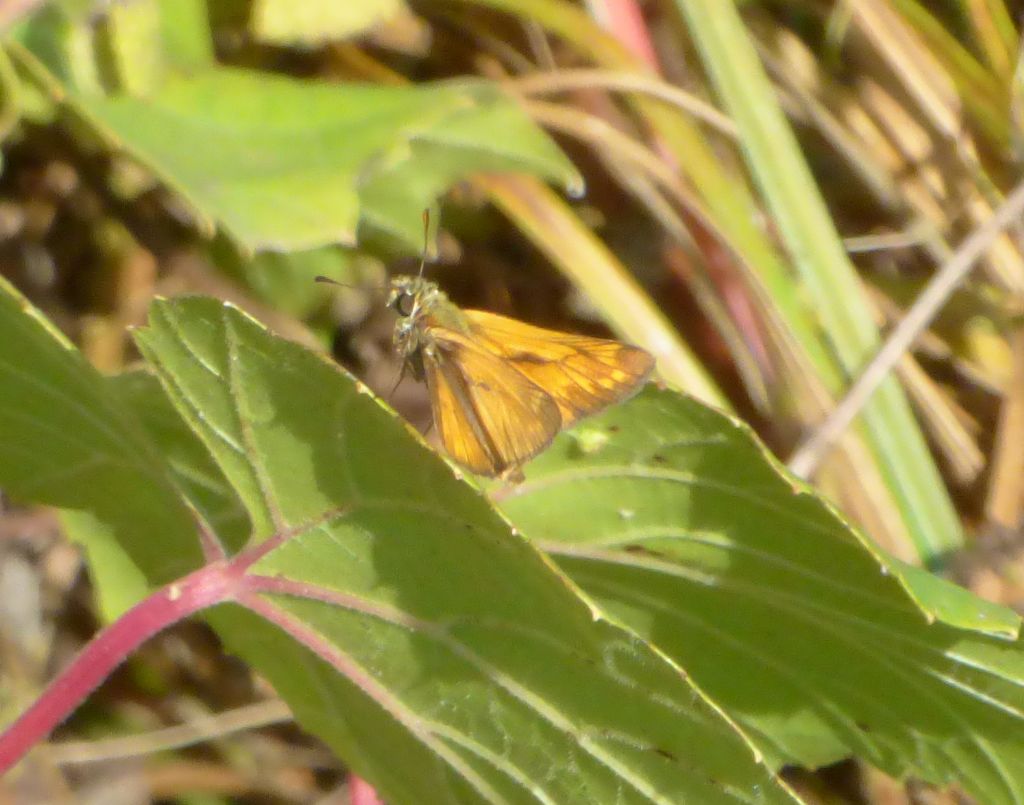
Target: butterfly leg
[
  {"x": 398, "y": 382},
  {"x": 513, "y": 475}
]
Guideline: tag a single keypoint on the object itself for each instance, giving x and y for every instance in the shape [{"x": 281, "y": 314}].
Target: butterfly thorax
[{"x": 421, "y": 306}]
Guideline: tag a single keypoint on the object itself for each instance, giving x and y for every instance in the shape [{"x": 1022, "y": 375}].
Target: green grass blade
[{"x": 788, "y": 188}]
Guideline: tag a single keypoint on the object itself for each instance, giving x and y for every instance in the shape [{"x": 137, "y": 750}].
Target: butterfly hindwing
[{"x": 489, "y": 416}]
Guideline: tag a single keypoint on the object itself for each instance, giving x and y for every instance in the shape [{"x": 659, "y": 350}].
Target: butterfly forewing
[
  {"x": 490, "y": 417},
  {"x": 582, "y": 375}
]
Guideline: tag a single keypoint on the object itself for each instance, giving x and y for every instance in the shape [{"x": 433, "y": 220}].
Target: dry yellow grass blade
[{"x": 1005, "y": 503}]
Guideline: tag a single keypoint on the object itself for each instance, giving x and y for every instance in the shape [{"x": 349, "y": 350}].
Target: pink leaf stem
[
  {"x": 220, "y": 581},
  {"x": 210, "y": 585}
]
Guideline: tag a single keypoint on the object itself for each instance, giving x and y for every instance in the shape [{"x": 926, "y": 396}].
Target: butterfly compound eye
[{"x": 404, "y": 304}]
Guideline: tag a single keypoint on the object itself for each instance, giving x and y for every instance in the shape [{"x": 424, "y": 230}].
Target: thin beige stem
[
  {"x": 583, "y": 78},
  {"x": 251, "y": 716},
  {"x": 808, "y": 455},
  {"x": 1005, "y": 501}
]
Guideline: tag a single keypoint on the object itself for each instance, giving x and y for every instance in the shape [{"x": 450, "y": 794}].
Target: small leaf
[
  {"x": 792, "y": 623},
  {"x": 129, "y": 31},
  {"x": 65, "y": 45},
  {"x": 493, "y": 135},
  {"x": 67, "y": 439},
  {"x": 134, "y": 45},
  {"x": 313, "y": 22}
]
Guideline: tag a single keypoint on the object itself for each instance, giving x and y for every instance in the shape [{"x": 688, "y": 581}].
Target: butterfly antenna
[
  {"x": 426, "y": 241},
  {"x": 329, "y": 281},
  {"x": 423, "y": 261}
]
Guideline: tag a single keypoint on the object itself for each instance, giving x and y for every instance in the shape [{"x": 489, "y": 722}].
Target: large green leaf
[
  {"x": 677, "y": 521},
  {"x": 465, "y": 667},
  {"x": 274, "y": 159},
  {"x": 283, "y": 163},
  {"x": 190, "y": 465},
  {"x": 117, "y": 580},
  {"x": 67, "y": 439}
]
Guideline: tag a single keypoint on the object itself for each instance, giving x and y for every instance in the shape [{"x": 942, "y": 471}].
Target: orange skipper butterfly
[{"x": 501, "y": 390}]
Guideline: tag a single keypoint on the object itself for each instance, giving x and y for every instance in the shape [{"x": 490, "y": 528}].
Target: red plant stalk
[
  {"x": 213, "y": 584},
  {"x": 625, "y": 21},
  {"x": 222, "y": 580}
]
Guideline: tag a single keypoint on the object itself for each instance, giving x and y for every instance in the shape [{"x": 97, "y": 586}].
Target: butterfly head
[
  {"x": 409, "y": 295},
  {"x": 412, "y": 298}
]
